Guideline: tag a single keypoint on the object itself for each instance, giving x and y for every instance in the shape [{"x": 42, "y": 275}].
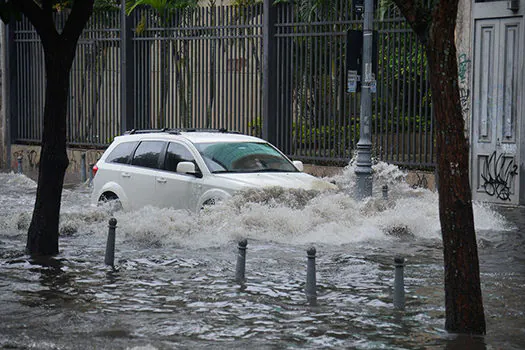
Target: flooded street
[{"x": 174, "y": 285}]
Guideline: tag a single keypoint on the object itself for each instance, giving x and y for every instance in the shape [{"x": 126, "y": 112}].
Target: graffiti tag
[
  {"x": 463, "y": 63},
  {"x": 464, "y": 98},
  {"x": 464, "y": 91},
  {"x": 421, "y": 181},
  {"x": 498, "y": 173}
]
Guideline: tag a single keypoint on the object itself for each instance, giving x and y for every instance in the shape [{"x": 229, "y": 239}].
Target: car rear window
[
  {"x": 121, "y": 153},
  {"x": 148, "y": 154}
]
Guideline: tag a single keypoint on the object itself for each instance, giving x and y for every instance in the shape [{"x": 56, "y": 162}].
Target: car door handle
[
  {"x": 126, "y": 175},
  {"x": 161, "y": 180}
]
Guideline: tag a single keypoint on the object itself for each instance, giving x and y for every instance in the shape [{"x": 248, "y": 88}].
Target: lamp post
[{"x": 363, "y": 168}]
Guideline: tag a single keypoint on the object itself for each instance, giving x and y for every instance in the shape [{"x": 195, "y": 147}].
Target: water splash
[{"x": 296, "y": 217}]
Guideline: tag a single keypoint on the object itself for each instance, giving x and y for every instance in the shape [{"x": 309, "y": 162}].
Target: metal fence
[
  {"x": 199, "y": 68},
  {"x": 209, "y": 67},
  {"x": 323, "y": 117}
]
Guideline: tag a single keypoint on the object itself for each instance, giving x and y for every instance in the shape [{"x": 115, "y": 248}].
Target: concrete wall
[{"x": 30, "y": 156}]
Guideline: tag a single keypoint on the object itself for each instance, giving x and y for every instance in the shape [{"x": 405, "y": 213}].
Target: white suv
[{"x": 191, "y": 168}]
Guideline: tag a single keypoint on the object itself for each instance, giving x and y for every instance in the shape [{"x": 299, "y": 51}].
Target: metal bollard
[
  {"x": 385, "y": 192},
  {"x": 110, "y": 245},
  {"x": 241, "y": 262},
  {"x": 399, "y": 284},
  {"x": 311, "y": 289},
  {"x": 19, "y": 161},
  {"x": 83, "y": 174}
]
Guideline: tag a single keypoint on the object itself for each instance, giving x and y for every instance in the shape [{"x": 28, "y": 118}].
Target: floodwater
[{"x": 173, "y": 286}]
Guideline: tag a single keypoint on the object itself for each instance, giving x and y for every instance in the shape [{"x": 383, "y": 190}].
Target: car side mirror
[
  {"x": 186, "y": 168},
  {"x": 299, "y": 165}
]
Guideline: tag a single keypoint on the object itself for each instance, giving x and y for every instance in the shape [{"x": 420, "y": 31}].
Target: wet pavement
[{"x": 174, "y": 285}]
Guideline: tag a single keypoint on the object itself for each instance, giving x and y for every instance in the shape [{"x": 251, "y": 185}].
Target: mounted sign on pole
[
  {"x": 354, "y": 61},
  {"x": 354, "y": 55}
]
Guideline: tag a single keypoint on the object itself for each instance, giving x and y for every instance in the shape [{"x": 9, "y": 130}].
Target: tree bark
[
  {"x": 463, "y": 298},
  {"x": 59, "y": 53},
  {"x": 42, "y": 238}
]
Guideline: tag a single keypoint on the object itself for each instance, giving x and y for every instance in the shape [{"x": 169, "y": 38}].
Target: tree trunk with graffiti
[{"x": 463, "y": 298}]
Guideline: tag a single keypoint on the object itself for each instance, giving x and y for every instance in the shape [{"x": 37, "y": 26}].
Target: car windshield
[{"x": 243, "y": 157}]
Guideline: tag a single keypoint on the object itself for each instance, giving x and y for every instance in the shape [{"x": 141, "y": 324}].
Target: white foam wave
[
  {"x": 19, "y": 181},
  {"x": 274, "y": 215}
]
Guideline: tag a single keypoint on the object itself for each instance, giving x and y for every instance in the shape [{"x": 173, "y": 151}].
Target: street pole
[{"x": 363, "y": 168}]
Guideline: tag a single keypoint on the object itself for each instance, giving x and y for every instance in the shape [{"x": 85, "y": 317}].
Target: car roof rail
[
  {"x": 148, "y": 131},
  {"x": 221, "y": 130},
  {"x": 178, "y": 131}
]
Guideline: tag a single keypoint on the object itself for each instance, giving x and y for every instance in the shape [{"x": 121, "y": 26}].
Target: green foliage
[
  {"x": 323, "y": 136},
  {"x": 255, "y": 126},
  {"x": 312, "y": 10},
  {"x": 101, "y": 6},
  {"x": 244, "y": 3},
  {"x": 164, "y": 8},
  {"x": 326, "y": 136},
  {"x": 401, "y": 123}
]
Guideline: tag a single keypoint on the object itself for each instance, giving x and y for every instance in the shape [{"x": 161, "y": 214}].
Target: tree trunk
[
  {"x": 463, "y": 299},
  {"x": 43, "y": 233},
  {"x": 59, "y": 52}
]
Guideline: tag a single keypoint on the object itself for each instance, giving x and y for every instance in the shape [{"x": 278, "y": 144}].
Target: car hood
[{"x": 286, "y": 180}]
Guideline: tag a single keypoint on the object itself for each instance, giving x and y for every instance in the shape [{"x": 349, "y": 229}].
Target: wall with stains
[{"x": 30, "y": 156}]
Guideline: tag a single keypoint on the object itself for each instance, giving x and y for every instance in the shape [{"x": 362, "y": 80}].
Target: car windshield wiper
[{"x": 270, "y": 171}]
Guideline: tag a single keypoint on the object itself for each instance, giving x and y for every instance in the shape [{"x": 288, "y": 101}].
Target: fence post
[
  {"x": 269, "y": 91},
  {"x": 126, "y": 71},
  {"x": 110, "y": 245},
  {"x": 83, "y": 174},
  {"x": 385, "y": 192},
  {"x": 399, "y": 284},
  {"x": 91, "y": 165},
  {"x": 311, "y": 288},
  {"x": 9, "y": 89},
  {"x": 19, "y": 163},
  {"x": 241, "y": 262},
  {"x": 284, "y": 82}
]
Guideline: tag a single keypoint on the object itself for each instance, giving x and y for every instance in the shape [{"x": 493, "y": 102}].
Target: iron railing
[{"x": 204, "y": 68}]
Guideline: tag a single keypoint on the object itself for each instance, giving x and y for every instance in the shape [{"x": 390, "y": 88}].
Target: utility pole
[{"x": 363, "y": 168}]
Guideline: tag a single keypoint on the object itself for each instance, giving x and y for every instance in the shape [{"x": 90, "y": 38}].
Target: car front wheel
[{"x": 110, "y": 199}]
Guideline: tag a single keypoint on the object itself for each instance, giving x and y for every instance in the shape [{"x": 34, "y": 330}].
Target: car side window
[
  {"x": 175, "y": 154},
  {"x": 121, "y": 153},
  {"x": 148, "y": 154}
]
